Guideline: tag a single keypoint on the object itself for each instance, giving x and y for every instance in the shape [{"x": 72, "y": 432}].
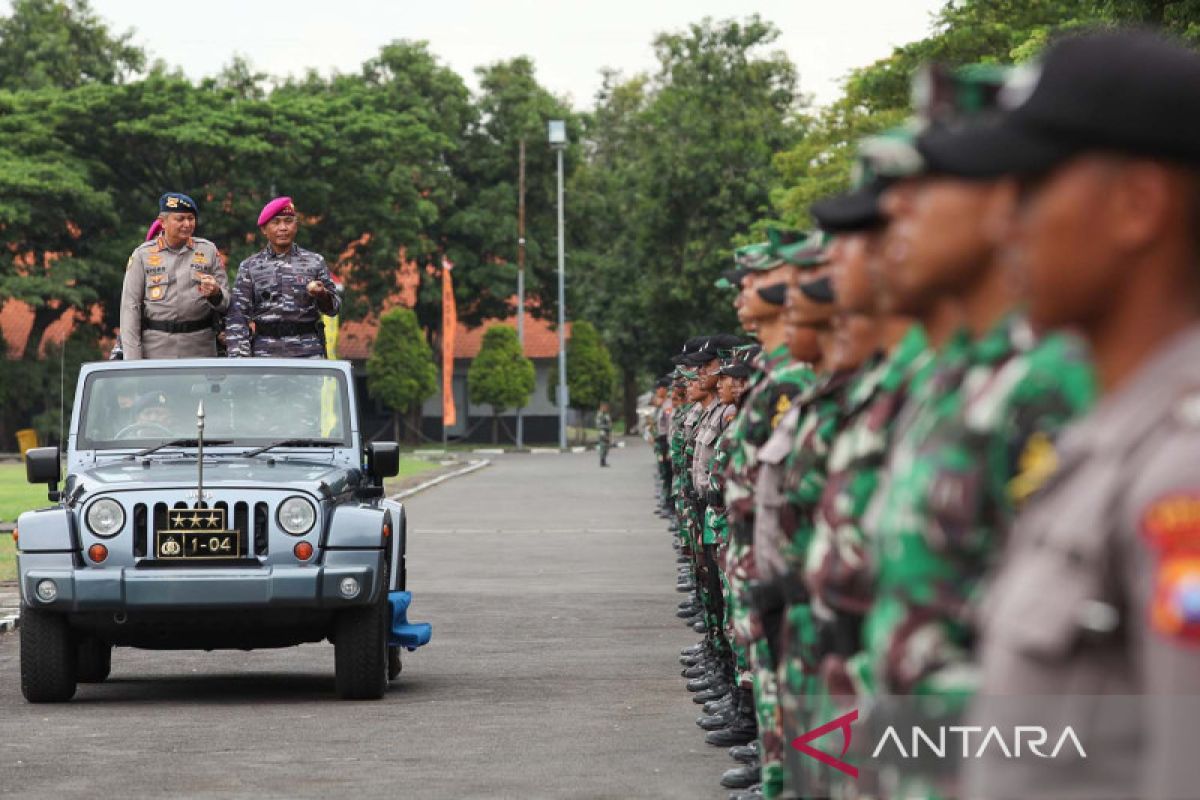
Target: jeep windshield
[{"x": 244, "y": 408}]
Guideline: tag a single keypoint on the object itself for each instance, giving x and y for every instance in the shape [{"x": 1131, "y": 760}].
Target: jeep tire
[
  {"x": 95, "y": 660},
  {"x": 48, "y": 657},
  {"x": 395, "y": 665},
  {"x": 360, "y": 651}
]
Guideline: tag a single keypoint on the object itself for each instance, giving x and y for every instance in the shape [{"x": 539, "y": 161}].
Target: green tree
[
  {"x": 481, "y": 230},
  {"x": 400, "y": 370},
  {"x": 878, "y": 96},
  {"x": 500, "y": 375},
  {"x": 591, "y": 376},
  {"x": 682, "y": 165},
  {"x": 62, "y": 43}
]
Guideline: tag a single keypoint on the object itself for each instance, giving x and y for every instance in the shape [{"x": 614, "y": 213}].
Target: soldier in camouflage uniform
[
  {"x": 836, "y": 571},
  {"x": 778, "y": 380},
  {"x": 731, "y": 718},
  {"x": 604, "y": 425},
  {"x": 997, "y": 398},
  {"x": 708, "y": 434},
  {"x": 280, "y": 293}
]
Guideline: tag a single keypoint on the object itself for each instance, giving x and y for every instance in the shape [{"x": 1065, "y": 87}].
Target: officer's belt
[
  {"x": 186, "y": 326},
  {"x": 276, "y": 330}
]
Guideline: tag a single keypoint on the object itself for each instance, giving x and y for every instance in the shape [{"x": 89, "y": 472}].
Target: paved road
[{"x": 553, "y": 672}]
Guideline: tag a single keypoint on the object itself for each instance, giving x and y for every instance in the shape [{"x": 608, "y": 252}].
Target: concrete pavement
[{"x": 553, "y": 671}]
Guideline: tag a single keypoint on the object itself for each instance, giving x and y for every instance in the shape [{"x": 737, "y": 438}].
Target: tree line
[{"x": 399, "y": 162}]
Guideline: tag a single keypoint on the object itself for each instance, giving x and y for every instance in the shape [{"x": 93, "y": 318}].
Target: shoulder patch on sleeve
[
  {"x": 782, "y": 406},
  {"x": 1035, "y": 465},
  {"x": 1171, "y": 524},
  {"x": 1175, "y": 609}
]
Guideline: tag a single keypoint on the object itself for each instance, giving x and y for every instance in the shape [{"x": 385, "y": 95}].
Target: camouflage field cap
[
  {"x": 731, "y": 279},
  {"x": 943, "y": 95},
  {"x": 879, "y": 162},
  {"x": 756, "y": 258},
  {"x": 810, "y": 252}
]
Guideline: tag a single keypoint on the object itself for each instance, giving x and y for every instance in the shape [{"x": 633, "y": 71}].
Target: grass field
[
  {"x": 8, "y": 558},
  {"x": 16, "y": 496}
]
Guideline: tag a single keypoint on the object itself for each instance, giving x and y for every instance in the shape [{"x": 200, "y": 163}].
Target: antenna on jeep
[{"x": 200, "y": 455}]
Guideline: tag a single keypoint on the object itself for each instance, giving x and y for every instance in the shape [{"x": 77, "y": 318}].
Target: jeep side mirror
[
  {"x": 42, "y": 466},
  {"x": 383, "y": 459}
]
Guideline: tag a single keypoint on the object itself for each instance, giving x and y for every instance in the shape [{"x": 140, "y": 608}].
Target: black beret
[
  {"x": 853, "y": 211},
  {"x": 736, "y": 370}
]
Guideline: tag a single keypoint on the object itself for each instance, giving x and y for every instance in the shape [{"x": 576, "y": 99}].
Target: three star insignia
[{"x": 210, "y": 520}]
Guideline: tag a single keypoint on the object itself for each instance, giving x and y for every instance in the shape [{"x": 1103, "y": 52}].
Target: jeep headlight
[
  {"x": 105, "y": 517},
  {"x": 297, "y": 516}
]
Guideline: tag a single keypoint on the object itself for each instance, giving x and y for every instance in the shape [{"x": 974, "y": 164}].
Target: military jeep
[{"x": 213, "y": 504}]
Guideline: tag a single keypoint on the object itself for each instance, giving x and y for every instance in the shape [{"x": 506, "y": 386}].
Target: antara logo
[
  {"x": 937, "y": 741},
  {"x": 842, "y": 723}
]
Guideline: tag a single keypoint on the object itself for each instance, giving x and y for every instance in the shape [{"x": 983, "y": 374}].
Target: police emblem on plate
[
  {"x": 156, "y": 293},
  {"x": 197, "y": 533}
]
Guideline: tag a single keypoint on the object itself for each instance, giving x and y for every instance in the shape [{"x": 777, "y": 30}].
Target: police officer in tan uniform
[
  {"x": 1093, "y": 619},
  {"x": 175, "y": 289}
]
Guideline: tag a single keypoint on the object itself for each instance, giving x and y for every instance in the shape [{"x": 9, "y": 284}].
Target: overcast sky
[{"x": 569, "y": 40}]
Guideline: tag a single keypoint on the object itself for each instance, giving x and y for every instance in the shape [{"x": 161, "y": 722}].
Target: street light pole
[
  {"x": 558, "y": 140},
  {"x": 521, "y": 278}
]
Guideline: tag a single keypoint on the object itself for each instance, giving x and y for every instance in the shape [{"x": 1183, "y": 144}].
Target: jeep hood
[{"x": 218, "y": 473}]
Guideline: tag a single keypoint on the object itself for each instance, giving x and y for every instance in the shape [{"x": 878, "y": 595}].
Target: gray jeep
[{"x": 208, "y": 504}]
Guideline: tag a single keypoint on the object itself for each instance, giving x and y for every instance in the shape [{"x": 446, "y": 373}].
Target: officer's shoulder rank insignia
[{"x": 1036, "y": 464}]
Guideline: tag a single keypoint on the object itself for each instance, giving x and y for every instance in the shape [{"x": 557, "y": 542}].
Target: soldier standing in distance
[
  {"x": 604, "y": 423},
  {"x": 281, "y": 291},
  {"x": 175, "y": 285}
]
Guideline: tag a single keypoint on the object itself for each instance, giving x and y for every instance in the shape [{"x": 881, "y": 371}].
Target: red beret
[
  {"x": 280, "y": 206},
  {"x": 155, "y": 227}
]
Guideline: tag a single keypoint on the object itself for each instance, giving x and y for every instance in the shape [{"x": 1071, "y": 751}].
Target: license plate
[{"x": 196, "y": 533}]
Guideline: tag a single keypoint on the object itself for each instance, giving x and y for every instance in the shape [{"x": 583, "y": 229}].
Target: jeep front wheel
[
  {"x": 95, "y": 660},
  {"x": 48, "y": 657},
  {"x": 360, "y": 651}
]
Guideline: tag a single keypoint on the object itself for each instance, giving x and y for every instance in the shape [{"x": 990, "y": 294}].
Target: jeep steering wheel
[{"x": 148, "y": 427}]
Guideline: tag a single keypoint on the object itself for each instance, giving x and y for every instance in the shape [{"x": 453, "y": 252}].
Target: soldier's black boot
[
  {"x": 713, "y": 706},
  {"x": 742, "y": 777},
  {"x": 718, "y": 719},
  {"x": 742, "y": 729},
  {"x": 703, "y": 696},
  {"x": 745, "y": 753}
]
